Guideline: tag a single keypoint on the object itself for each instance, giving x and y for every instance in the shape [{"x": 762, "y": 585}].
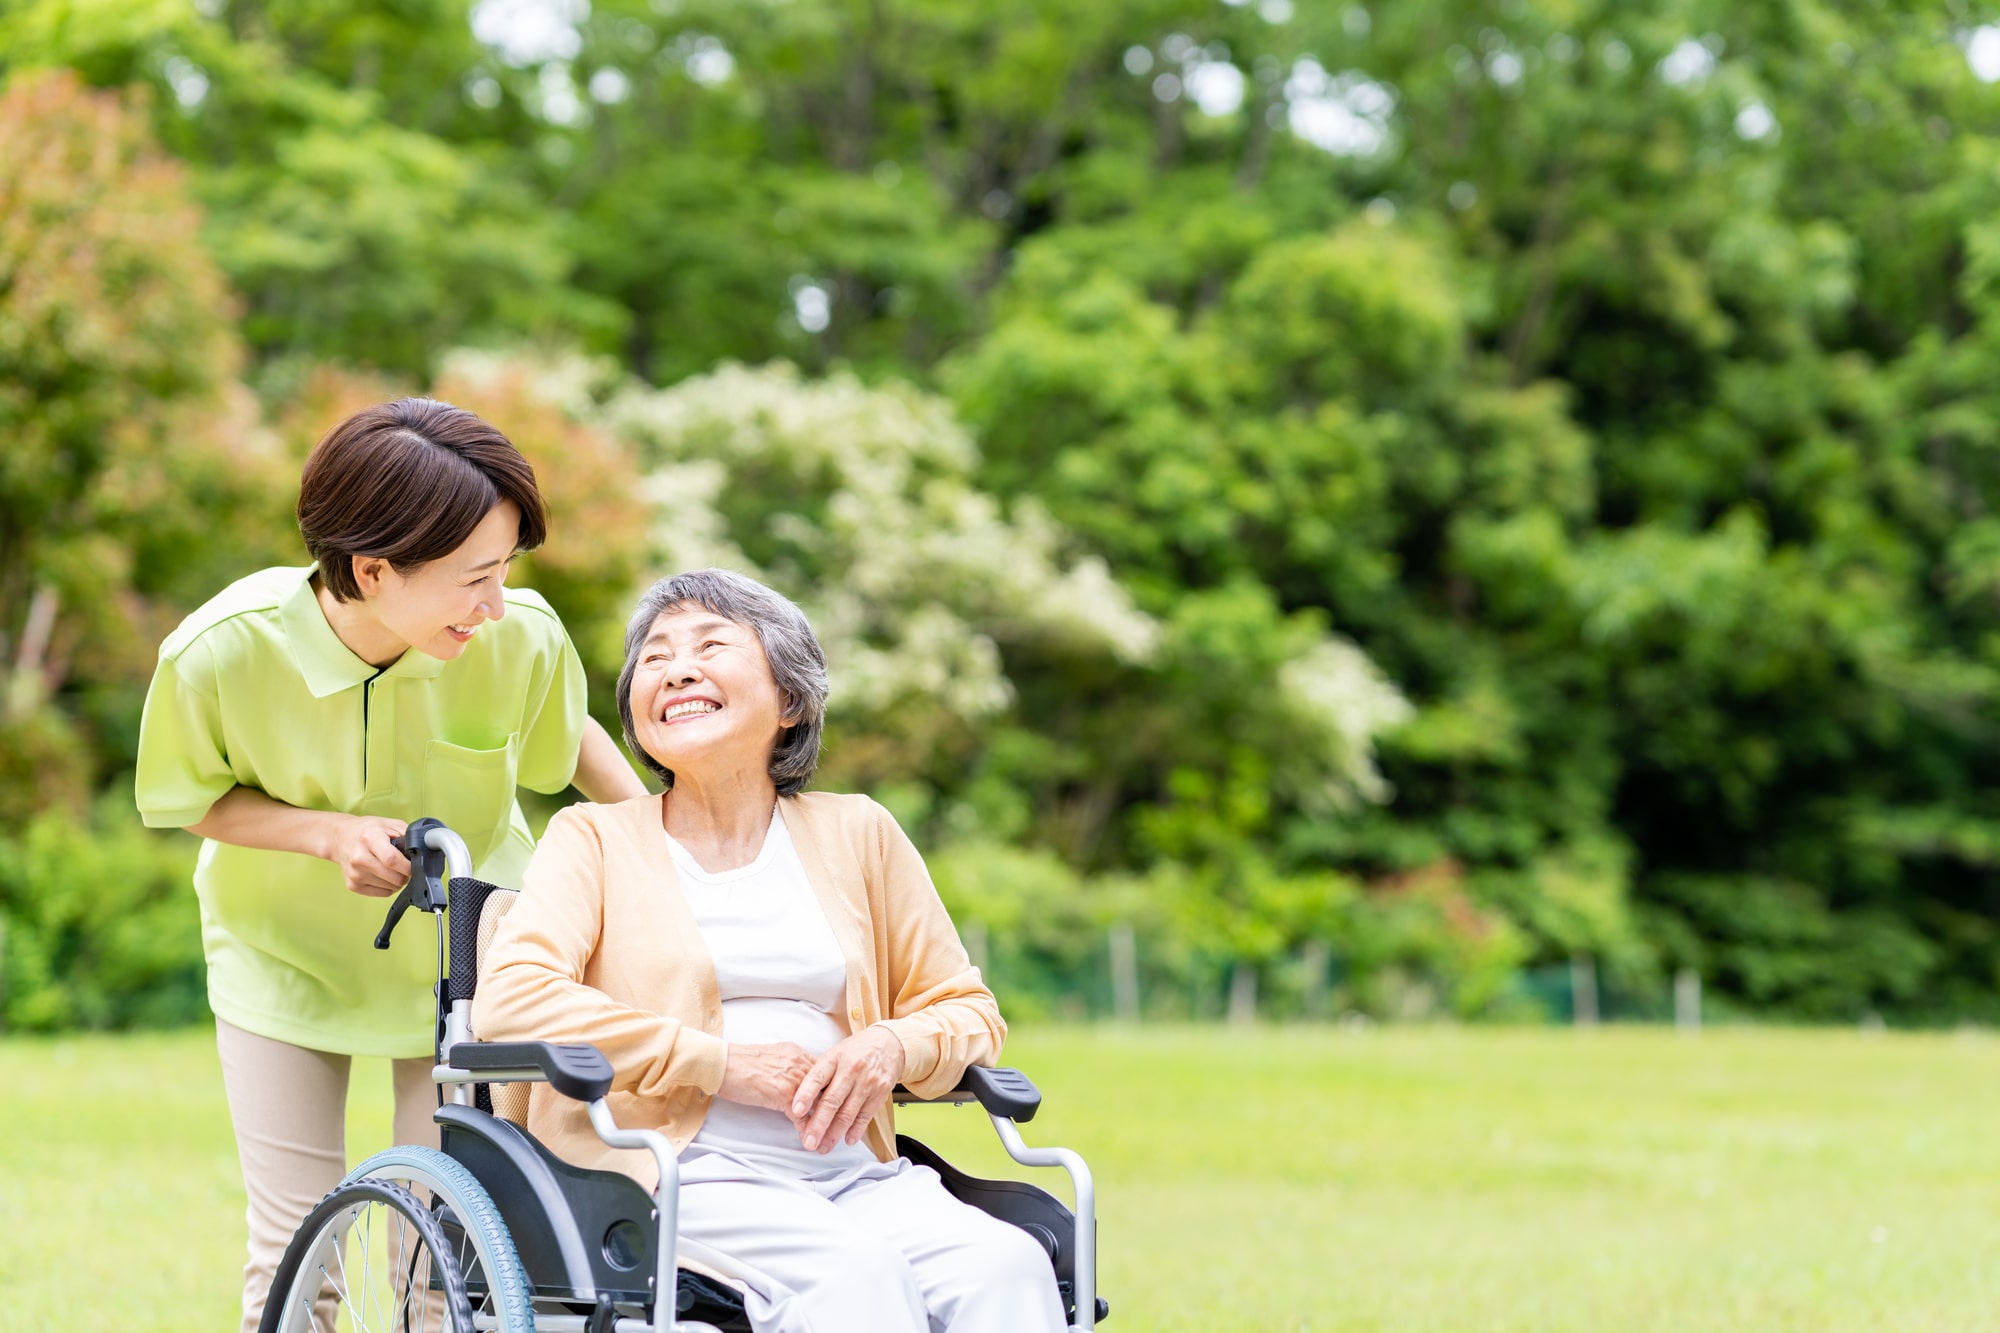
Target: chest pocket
[{"x": 472, "y": 791}]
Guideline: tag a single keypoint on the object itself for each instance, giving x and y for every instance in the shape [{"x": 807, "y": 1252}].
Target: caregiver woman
[{"x": 297, "y": 721}]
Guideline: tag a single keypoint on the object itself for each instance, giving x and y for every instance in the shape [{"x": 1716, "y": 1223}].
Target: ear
[{"x": 370, "y": 572}]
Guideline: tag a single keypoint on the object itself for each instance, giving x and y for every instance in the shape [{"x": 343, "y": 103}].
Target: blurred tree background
[{"x": 1361, "y": 503}]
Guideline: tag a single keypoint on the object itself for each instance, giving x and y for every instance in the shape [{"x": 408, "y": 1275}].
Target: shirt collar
[
  {"x": 415, "y": 665},
  {"x": 328, "y": 665}
]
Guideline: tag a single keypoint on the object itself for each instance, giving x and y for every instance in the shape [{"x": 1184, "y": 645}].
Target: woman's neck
[
  {"x": 722, "y": 819},
  {"x": 356, "y": 626}
]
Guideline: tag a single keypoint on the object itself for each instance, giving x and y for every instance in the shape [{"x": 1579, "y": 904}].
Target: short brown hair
[{"x": 407, "y": 482}]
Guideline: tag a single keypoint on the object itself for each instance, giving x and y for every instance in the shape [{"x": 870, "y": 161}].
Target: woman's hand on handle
[
  {"x": 764, "y": 1074},
  {"x": 365, "y": 850},
  {"x": 846, "y": 1087}
]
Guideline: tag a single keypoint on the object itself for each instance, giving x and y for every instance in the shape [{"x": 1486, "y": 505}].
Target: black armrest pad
[
  {"x": 1002, "y": 1092},
  {"x": 577, "y": 1071}
]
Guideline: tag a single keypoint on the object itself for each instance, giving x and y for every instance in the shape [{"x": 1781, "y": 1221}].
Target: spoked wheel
[
  {"x": 370, "y": 1258},
  {"x": 495, "y": 1283}
]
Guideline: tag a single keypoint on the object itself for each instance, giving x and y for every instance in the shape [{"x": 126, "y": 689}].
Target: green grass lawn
[{"x": 1282, "y": 1179}]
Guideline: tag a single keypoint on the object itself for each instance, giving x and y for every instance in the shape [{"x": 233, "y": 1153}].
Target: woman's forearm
[
  {"x": 246, "y": 817},
  {"x": 602, "y": 774},
  {"x": 361, "y": 845}
]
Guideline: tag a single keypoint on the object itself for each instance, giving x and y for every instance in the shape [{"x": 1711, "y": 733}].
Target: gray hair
[{"x": 798, "y": 663}]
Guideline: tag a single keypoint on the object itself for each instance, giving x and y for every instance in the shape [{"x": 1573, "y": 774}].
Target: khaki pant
[{"x": 288, "y": 1105}]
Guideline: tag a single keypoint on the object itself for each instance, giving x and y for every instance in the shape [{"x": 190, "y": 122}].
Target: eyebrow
[
  {"x": 474, "y": 569},
  {"x": 699, "y": 627}
]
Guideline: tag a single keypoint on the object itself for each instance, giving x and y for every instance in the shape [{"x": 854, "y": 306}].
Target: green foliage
[
  {"x": 1036, "y": 928},
  {"x": 98, "y": 926},
  {"x": 1460, "y": 484},
  {"x": 1778, "y": 946},
  {"x": 352, "y": 223},
  {"x": 130, "y": 480},
  {"x": 365, "y": 236},
  {"x": 952, "y": 621}
]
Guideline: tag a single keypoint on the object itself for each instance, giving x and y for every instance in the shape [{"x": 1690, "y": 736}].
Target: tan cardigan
[{"x": 602, "y": 948}]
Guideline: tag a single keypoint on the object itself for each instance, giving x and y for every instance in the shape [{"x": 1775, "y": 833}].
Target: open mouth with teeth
[
  {"x": 687, "y": 708},
  {"x": 461, "y": 632}
]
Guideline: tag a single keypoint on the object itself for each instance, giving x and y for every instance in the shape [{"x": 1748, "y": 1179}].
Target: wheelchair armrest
[
  {"x": 577, "y": 1071},
  {"x": 1007, "y": 1093}
]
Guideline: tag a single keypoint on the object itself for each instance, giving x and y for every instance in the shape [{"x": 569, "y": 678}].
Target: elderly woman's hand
[
  {"x": 766, "y": 1074},
  {"x": 846, "y": 1087}
]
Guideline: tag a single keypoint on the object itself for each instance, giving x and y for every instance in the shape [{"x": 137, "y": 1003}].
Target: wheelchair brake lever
[
  {"x": 425, "y": 891},
  {"x": 397, "y": 906}
]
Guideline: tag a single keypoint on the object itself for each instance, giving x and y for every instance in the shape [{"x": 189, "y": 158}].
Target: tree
[
  {"x": 352, "y": 229},
  {"x": 1614, "y": 379},
  {"x": 130, "y": 474},
  {"x": 941, "y": 610}
]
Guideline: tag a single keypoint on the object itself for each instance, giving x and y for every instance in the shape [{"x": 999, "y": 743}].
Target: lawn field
[{"x": 1280, "y": 1179}]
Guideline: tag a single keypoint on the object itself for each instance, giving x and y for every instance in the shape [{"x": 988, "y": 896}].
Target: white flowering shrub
[
  {"x": 1067, "y": 759},
  {"x": 860, "y": 502},
  {"x": 1342, "y": 702},
  {"x": 863, "y": 503}
]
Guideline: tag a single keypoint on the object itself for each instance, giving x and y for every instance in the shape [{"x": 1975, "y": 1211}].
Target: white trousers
[
  {"x": 289, "y": 1108},
  {"x": 880, "y": 1250}
]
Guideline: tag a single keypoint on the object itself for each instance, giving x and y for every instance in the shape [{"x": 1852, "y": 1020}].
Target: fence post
[
  {"x": 1583, "y": 990},
  {"x": 1243, "y": 993},
  {"x": 1318, "y": 960},
  {"x": 1124, "y": 972},
  {"x": 1687, "y": 1000}
]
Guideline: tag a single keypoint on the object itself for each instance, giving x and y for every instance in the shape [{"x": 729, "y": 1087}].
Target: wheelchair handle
[{"x": 436, "y": 853}]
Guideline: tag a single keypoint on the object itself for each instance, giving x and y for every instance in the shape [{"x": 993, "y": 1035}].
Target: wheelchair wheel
[
  {"x": 369, "y": 1258},
  {"x": 496, "y": 1284}
]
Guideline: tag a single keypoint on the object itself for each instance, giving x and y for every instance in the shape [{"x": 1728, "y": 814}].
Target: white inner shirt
[{"x": 782, "y": 978}]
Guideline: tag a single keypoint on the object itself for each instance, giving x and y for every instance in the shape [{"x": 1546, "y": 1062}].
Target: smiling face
[
  {"x": 439, "y": 606},
  {"x": 703, "y": 697}
]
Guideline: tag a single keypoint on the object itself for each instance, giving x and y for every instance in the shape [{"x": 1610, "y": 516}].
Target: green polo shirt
[{"x": 256, "y": 690}]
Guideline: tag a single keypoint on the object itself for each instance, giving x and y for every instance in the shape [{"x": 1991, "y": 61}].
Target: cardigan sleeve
[
  {"x": 937, "y": 1004},
  {"x": 532, "y": 988}
]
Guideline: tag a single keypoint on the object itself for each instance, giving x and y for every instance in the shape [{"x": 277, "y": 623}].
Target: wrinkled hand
[
  {"x": 846, "y": 1087},
  {"x": 764, "y": 1074},
  {"x": 367, "y": 857}
]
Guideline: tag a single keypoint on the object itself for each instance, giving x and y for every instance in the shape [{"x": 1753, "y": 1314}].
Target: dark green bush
[{"x": 98, "y": 924}]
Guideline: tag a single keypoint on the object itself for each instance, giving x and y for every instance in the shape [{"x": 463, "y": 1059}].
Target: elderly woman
[{"x": 762, "y": 966}]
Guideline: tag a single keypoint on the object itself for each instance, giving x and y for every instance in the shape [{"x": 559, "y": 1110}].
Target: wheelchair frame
[{"x": 439, "y": 856}]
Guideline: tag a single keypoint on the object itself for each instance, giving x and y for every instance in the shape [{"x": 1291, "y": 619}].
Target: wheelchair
[{"x": 494, "y": 1232}]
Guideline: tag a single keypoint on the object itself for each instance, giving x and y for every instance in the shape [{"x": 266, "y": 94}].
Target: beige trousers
[{"x": 288, "y": 1105}]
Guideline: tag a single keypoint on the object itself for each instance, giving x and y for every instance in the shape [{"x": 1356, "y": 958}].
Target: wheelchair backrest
[
  {"x": 476, "y": 912},
  {"x": 510, "y": 1100}
]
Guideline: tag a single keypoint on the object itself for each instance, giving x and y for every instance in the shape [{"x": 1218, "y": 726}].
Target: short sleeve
[
  {"x": 183, "y": 766},
  {"x": 552, "y": 731}
]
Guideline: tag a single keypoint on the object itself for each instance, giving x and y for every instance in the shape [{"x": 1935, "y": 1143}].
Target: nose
[
  {"x": 681, "y": 672},
  {"x": 493, "y": 605}
]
